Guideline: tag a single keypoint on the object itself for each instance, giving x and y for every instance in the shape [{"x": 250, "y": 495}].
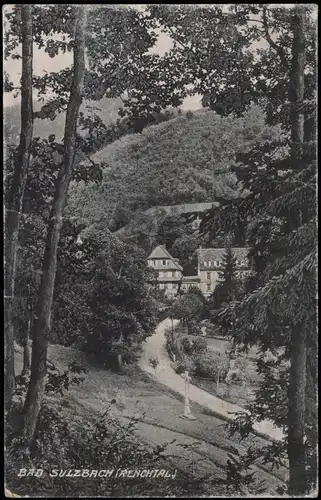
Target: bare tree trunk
[
  {"x": 297, "y": 385},
  {"x": 296, "y": 430},
  {"x": 26, "y": 353},
  {"x": 15, "y": 197},
  {"x": 42, "y": 326}
]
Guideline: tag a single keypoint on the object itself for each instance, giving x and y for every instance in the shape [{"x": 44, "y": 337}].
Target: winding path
[{"x": 155, "y": 347}]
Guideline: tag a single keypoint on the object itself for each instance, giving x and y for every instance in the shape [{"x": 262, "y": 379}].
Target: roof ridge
[{"x": 169, "y": 256}]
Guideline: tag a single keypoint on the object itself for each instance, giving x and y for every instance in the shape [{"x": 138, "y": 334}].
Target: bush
[
  {"x": 195, "y": 346},
  {"x": 153, "y": 362},
  {"x": 209, "y": 365},
  {"x": 199, "y": 345},
  {"x": 186, "y": 364},
  {"x": 248, "y": 370},
  {"x": 204, "y": 366},
  {"x": 187, "y": 345},
  {"x": 193, "y": 328}
]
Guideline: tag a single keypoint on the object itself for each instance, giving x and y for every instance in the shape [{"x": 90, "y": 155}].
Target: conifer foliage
[
  {"x": 228, "y": 288},
  {"x": 279, "y": 311}
]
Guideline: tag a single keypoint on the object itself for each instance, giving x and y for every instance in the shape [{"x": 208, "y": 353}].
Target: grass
[
  {"x": 236, "y": 393},
  {"x": 240, "y": 395},
  {"x": 158, "y": 411}
]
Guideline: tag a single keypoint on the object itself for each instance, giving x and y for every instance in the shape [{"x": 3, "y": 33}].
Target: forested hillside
[{"x": 183, "y": 160}]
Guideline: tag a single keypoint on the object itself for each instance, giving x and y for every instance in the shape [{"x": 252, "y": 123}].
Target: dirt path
[{"x": 155, "y": 347}]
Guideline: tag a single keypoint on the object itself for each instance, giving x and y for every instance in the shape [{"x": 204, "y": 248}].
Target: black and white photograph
[{"x": 160, "y": 250}]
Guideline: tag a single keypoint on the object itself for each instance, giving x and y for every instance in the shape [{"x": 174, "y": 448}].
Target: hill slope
[{"x": 183, "y": 160}]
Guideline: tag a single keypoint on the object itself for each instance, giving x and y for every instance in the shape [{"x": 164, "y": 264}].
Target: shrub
[
  {"x": 210, "y": 364},
  {"x": 185, "y": 364},
  {"x": 169, "y": 340},
  {"x": 234, "y": 376},
  {"x": 153, "y": 362},
  {"x": 174, "y": 343},
  {"x": 204, "y": 366},
  {"x": 248, "y": 370},
  {"x": 193, "y": 328},
  {"x": 195, "y": 346},
  {"x": 187, "y": 345},
  {"x": 199, "y": 345}
]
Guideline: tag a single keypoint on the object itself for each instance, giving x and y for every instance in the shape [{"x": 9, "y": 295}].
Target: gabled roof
[
  {"x": 216, "y": 254},
  {"x": 160, "y": 252}
]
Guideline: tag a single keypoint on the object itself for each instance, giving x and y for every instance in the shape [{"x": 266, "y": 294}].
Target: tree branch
[{"x": 275, "y": 46}]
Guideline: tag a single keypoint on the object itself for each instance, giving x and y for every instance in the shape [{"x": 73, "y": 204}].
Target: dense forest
[{"x": 183, "y": 160}]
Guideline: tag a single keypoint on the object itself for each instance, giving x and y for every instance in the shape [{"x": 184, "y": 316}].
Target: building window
[
  {"x": 208, "y": 287},
  {"x": 173, "y": 274},
  {"x": 169, "y": 286},
  {"x": 208, "y": 276},
  {"x": 164, "y": 262},
  {"x": 161, "y": 286},
  {"x": 205, "y": 264}
]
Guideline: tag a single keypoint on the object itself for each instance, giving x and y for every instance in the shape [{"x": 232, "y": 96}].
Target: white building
[{"x": 209, "y": 273}]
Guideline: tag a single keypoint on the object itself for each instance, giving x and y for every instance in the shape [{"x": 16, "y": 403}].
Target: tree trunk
[
  {"x": 15, "y": 197},
  {"x": 297, "y": 384},
  {"x": 296, "y": 85},
  {"x": 42, "y": 326},
  {"x": 296, "y": 430},
  {"x": 26, "y": 353}
]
